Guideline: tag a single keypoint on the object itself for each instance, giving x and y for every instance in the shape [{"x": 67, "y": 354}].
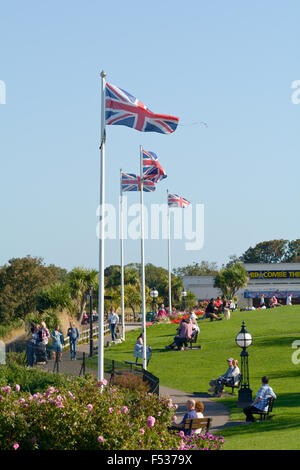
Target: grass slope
[{"x": 273, "y": 332}]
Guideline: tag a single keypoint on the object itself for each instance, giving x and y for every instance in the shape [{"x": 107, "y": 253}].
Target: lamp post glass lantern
[
  {"x": 153, "y": 295},
  {"x": 244, "y": 340}
]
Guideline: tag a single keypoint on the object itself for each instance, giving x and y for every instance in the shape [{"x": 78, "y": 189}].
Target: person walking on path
[
  {"x": 57, "y": 343},
  {"x": 74, "y": 336},
  {"x": 260, "y": 403},
  {"x": 113, "y": 320}
]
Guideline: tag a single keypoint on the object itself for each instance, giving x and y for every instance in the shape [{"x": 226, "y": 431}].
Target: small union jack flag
[
  {"x": 132, "y": 182},
  {"x": 177, "y": 201},
  {"x": 123, "y": 109},
  {"x": 152, "y": 170}
]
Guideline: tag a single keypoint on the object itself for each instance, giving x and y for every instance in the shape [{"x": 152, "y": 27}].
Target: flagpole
[
  {"x": 101, "y": 236},
  {"x": 169, "y": 257},
  {"x": 143, "y": 264},
  {"x": 122, "y": 259}
]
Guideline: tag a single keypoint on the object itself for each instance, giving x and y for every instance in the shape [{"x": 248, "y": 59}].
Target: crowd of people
[
  {"x": 37, "y": 351},
  {"x": 273, "y": 302}
]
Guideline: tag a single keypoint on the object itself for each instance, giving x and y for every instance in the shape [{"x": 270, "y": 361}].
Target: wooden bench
[
  {"x": 197, "y": 423},
  {"x": 265, "y": 414}
]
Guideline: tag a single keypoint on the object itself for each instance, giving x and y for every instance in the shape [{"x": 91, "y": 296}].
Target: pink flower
[
  {"x": 16, "y": 446},
  {"x": 142, "y": 431},
  {"x": 125, "y": 409},
  {"x": 159, "y": 413},
  {"x": 170, "y": 403},
  {"x": 22, "y": 400},
  {"x": 102, "y": 382},
  {"x": 110, "y": 410},
  {"x": 18, "y": 388},
  {"x": 100, "y": 439},
  {"x": 12, "y": 414},
  {"x": 150, "y": 421},
  {"x": 174, "y": 419},
  {"x": 181, "y": 434},
  {"x": 89, "y": 407}
]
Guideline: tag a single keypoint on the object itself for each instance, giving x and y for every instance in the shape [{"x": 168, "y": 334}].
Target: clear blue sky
[{"x": 230, "y": 64}]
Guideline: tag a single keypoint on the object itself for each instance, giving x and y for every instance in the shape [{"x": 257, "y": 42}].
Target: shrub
[
  {"x": 89, "y": 415},
  {"x": 131, "y": 381}
]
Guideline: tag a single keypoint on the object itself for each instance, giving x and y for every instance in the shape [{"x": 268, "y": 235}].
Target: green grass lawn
[{"x": 273, "y": 332}]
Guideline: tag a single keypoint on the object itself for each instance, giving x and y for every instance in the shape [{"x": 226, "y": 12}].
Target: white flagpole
[
  {"x": 143, "y": 264},
  {"x": 101, "y": 237},
  {"x": 169, "y": 257},
  {"x": 122, "y": 259}
]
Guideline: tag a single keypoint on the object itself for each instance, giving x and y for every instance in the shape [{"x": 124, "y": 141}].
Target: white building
[{"x": 280, "y": 279}]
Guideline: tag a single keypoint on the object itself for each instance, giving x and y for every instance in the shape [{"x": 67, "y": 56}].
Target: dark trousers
[
  {"x": 113, "y": 328},
  {"x": 30, "y": 353},
  {"x": 180, "y": 341},
  {"x": 248, "y": 412},
  {"x": 73, "y": 344},
  {"x": 40, "y": 350}
]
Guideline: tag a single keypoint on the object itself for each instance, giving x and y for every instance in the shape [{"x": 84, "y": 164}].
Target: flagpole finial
[{"x": 102, "y": 74}]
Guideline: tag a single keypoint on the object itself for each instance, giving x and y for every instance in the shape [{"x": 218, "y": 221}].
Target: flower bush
[{"x": 89, "y": 415}]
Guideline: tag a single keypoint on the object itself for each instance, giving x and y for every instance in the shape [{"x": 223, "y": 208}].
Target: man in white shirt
[
  {"x": 113, "y": 320},
  {"x": 289, "y": 300},
  {"x": 261, "y": 400}
]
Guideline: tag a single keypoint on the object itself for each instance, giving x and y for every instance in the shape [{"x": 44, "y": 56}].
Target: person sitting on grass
[
  {"x": 190, "y": 414},
  {"x": 185, "y": 331},
  {"x": 218, "y": 384},
  {"x": 211, "y": 311},
  {"x": 260, "y": 403}
]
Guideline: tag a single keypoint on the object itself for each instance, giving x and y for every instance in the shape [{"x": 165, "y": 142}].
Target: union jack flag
[
  {"x": 132, "y": 182},
  {"x": 123, "y": 109},
  {"x": 177, "y": 201},
  {"x": 152, "y": 170}
]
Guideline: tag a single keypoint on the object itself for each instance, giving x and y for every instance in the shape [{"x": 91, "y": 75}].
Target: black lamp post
[
  {"x": 183, "y": 296},
  {"x": 244, "y": 340},
  {"x": 90, "y": 298},
  {"x": 153, "y": 295}
]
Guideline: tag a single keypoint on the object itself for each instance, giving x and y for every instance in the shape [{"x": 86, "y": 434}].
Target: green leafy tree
[
  {"x": 230, "y": 279},
  {"x": 293, "y": 254},
  {"x": 20, "y": 280},
  {"x": 272, "y": 251},
  {"x": 205, "y": 268},
  {"x": 56, "y": 296}
]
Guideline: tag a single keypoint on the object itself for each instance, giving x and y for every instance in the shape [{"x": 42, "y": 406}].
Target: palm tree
[{"x": 80, "y": 280}]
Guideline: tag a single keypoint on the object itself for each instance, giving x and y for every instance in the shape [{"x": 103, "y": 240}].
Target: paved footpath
[{"x": 217, "y": 411}]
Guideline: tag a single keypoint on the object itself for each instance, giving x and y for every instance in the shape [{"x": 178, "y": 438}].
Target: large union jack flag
[
  {"x": 123, "y": 109},
  {"x": 177, "y": 201},
  {"x": 132, "y": 182},
  {"x": 152, "y": 169}
]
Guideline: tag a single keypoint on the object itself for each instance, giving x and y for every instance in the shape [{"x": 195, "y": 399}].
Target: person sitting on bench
[
  {"x": 184, "y": 335},
  {"x": 190, "y": 414},
  {"x": 225, "y": 379},
  {"x": 261, "y": 400}
]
